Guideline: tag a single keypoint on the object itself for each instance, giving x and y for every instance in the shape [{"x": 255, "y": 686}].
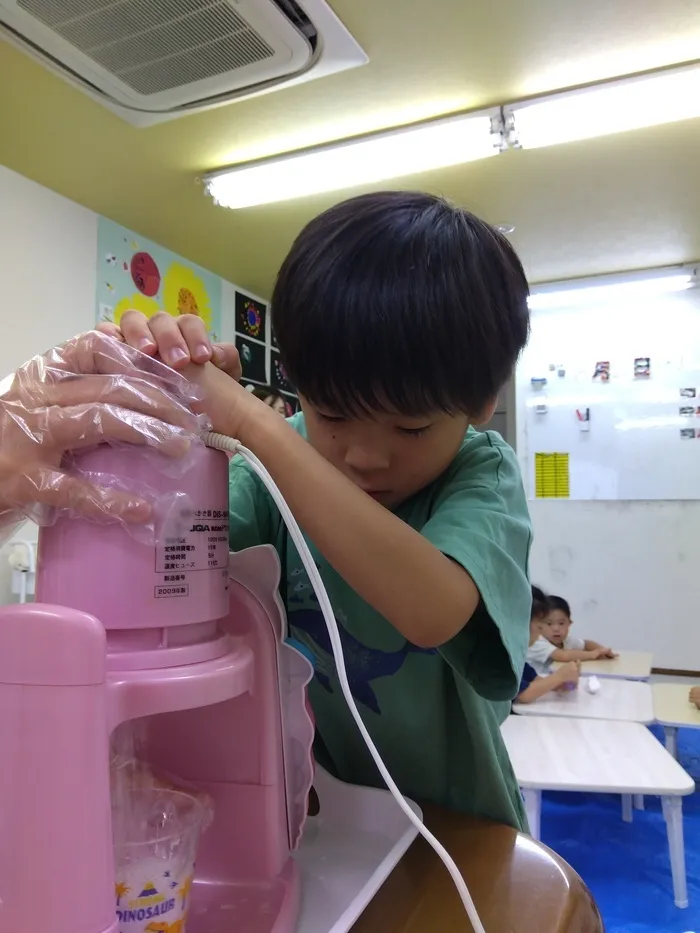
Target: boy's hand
[
  {"x": 568, "y": 674},
  {"x": 695, "y": 696},
  {"x": 229, "y": 406},
  {"x": 600, "y": 654},
  {"x": 177, "y": 341},
  {"x": 184, "y": 345}
]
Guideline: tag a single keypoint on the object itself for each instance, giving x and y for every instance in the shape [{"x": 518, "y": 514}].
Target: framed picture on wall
[
  {"x": 251, "y": 317},
  {"x": 253, "y": 359},
  {"x": 278, "y": 375}
]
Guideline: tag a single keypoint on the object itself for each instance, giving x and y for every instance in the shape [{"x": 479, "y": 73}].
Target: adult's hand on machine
[{"x": 90, "y": 390}]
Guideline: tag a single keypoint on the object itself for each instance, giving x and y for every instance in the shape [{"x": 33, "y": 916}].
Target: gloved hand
[{"x": 91, "y": 390}]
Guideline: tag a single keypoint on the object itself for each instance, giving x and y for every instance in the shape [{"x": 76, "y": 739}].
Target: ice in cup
[{"x": 155, "y": 851}]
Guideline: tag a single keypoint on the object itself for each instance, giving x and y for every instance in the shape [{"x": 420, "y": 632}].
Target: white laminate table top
[
  {"x": 672, "y": 706},
  {"x": 628, "y": 665},
  {"x": 627, "y": 700},
  {"x": 601, "y": 756}
]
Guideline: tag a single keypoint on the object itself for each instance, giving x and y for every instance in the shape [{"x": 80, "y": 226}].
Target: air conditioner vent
[
  {"x": 161, "y": 44},
  {"x": 153, "y": 59},
  {"x": 297, "y": 16}
]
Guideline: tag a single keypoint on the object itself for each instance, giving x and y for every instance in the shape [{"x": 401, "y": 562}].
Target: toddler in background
[
  {"x": 532, "y": 685},
  {"x": 543, "y": 651},
  {"x": 556, "y": 629}
]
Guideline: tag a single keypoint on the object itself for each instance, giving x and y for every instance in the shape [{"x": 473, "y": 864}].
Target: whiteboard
[
  {"x": 629, "y": 571},
  {"x": 614, "y": 408}
]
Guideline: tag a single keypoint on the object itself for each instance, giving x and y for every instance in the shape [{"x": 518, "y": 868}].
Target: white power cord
[
  {"x": 229, "y": 445},
  {"x": 22, "y": 560}
]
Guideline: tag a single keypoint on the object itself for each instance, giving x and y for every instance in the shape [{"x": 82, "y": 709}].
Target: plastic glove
[{"x": 91, "y": 390}]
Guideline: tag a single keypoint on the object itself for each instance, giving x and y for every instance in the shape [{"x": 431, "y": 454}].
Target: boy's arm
[
  {"x": 425, "y": 595},
  {"x": 603, "y": 652},
  {"x": 539, "y": 687},
  {"x": 565, "y": 654}
]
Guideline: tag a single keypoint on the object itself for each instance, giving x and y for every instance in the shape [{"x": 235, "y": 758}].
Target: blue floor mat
[{"x": 626, "y": 865}]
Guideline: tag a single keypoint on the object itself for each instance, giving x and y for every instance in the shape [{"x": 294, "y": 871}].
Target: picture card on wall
[
  {"x": 642, "y": 367},
  {"x": 278, "y": 375},
  {"x": 134, "y": 273},
  {"x": 251, "y": 317},
  {"x": 252, "y": 359}
]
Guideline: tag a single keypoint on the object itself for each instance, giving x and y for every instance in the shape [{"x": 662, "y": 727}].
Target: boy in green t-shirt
[{"x": 399, "y": 318}]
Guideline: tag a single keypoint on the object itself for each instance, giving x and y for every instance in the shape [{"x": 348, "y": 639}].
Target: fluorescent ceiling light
[
  {"x": 608, "y": 292},
  {"x": 613, "y": 107},
  {"x": 367, "y": 160}
]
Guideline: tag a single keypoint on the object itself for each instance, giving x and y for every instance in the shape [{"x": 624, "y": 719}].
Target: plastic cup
[{"x": 155, "y": 851}]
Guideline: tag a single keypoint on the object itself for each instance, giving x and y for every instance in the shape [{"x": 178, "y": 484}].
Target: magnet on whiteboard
[
  {"x": 538, "y": 382},
  {"x": 561, "y": 372},
  {"x": 540, "y": 409},
  {"x": 584, "y": 426}
]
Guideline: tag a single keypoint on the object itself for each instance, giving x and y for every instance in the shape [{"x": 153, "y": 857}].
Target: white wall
[
  {"x": 47, "y": 266},
  {"x": 48, "y": 269},
  {"x": 630, "y": 569}
]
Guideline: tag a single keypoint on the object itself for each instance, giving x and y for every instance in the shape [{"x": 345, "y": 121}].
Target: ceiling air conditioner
[{"x": 152, "y": 60}]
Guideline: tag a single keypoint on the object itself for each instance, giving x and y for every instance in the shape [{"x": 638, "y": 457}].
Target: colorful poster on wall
[
  {"x": 251, "y": 317},
  {"x": 253, "y": 360},
  {"x": 260, "y": 358},
  {"x": 133, "y": 272},
  {"x": 278, "y": 375}
]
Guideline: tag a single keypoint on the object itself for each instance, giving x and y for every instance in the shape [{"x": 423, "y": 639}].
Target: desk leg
[
  {"x": 673, "y": 812},
  {"x": 671, "y": 733},
  {"x": 639, "y": 801},
  {"x": 627, "y": 808},
  {"x": 533, "y": 808}
]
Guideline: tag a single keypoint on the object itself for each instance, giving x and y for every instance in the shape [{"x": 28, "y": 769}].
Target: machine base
[
  {"x": 347, "y": 852},
  {"x": 266, "y": 907}
]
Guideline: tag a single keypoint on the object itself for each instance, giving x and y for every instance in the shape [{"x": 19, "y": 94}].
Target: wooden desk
[
  {"x": 518, "y": 885},
  {"x": 673, "y": 710},
  {"x": 621, "y": 700},
  {"x": 629, "y": 665}
]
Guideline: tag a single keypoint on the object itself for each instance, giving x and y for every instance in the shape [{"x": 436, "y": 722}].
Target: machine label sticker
[
  {"x": 198, "y": 542},
  {"x": 169, "y": 591}
]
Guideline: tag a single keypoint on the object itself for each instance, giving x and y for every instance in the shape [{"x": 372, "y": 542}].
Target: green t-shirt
[{"x": 433, "y": 714}]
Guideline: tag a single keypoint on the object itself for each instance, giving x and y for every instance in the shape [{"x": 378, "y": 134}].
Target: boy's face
[
  {"x": 390, "y": 457},
  {"x": 556, "y": 627}
]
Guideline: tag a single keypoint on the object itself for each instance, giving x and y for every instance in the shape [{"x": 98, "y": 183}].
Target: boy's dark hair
[
  {"x": 540, "y": 603},
  {"x": 558, "y": 602},
  {"x": 400, "y": 301}
]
